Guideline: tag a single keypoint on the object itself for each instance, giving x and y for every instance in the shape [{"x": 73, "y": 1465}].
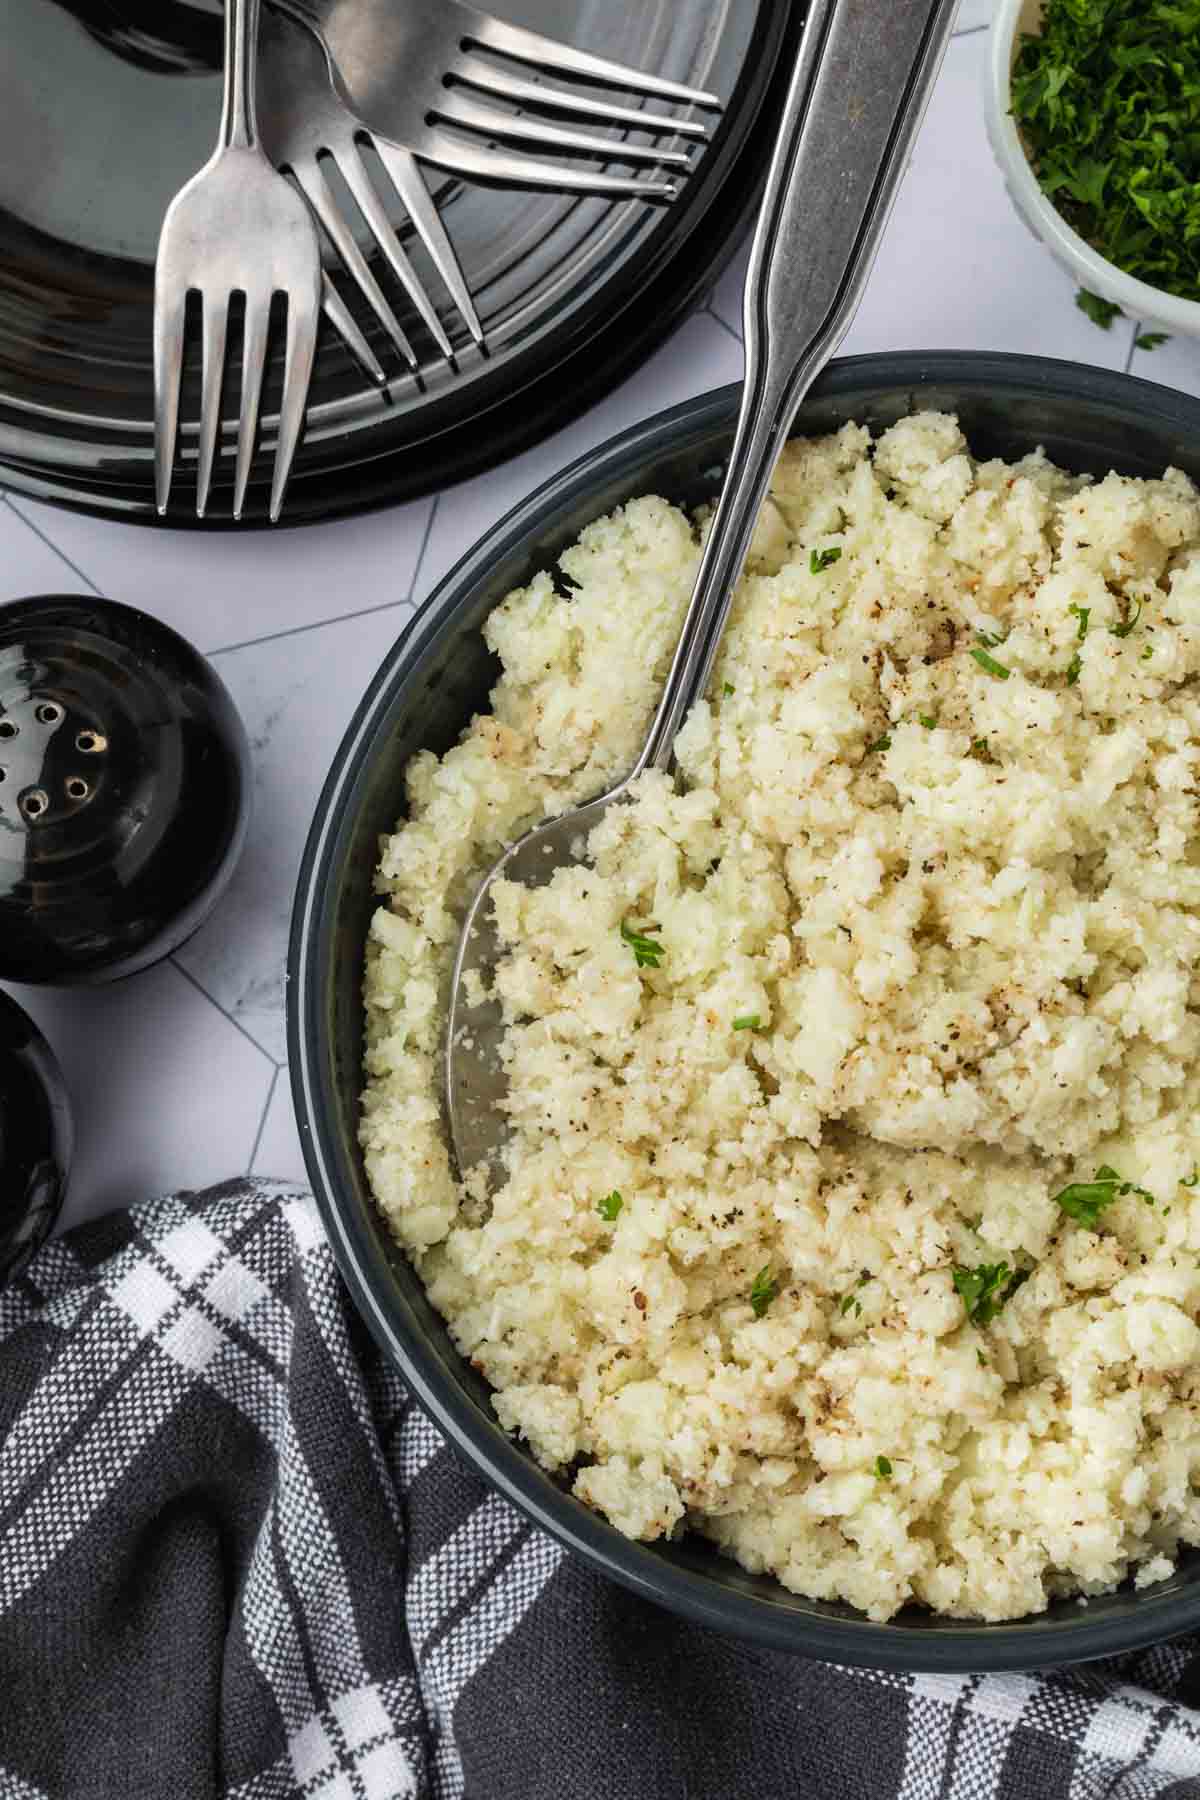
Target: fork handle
[
  {"x": 857, "y": 96},
  {"x": 239, "y": 120}
]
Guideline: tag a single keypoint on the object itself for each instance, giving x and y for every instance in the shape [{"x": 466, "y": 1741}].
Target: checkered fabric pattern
[{"x": 236, "y": 1560}]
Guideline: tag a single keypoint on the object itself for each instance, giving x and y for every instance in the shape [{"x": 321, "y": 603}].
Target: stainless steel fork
[
  {"x": 236, "y": 227},
  {"x": 304, "y": 124},
  {"x": 424, "y": 74}
]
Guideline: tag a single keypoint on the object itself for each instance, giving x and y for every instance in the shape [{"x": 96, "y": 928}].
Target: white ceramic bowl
[{"x": 1137, "y": 299}]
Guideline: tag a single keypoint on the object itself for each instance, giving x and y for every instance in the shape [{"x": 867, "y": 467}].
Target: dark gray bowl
[{"x": 437, "y": 674}]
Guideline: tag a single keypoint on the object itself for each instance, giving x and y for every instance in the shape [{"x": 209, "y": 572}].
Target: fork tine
[
  {"x": 549, "y": 54},
  {"x": 297, "y": 371},
  {"x": 342, "y": 320},
  {"x": 500, "y": 85},
  {"x": 170, "y": 306},
  {"x": 406, "y": 177},
  {"x": 316, "y": 191},
  {"x": 215, "y": 323},
  {"x": 254, "y": 357},
  {"x": 457, "y": 108},
  {"x": 514, "y": 168},
  {"x": 384, "y": 232}
]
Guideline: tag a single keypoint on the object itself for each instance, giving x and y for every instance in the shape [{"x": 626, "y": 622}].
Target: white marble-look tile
[
  {"x": 701, "y": 355},
  {"x": 224, "y": 588},
  {"x": 29, "y": 564},
  {"x": 166, "y": 1093},
  {"x": 296, "y": 695},
  {"x": 279, "y": 1155},
  {"x": 1176, "y": 363},
  {"x": 957, "y": 268},
  {"x": 973, "y": 15}
]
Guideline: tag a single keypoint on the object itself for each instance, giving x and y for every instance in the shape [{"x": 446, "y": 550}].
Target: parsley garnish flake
[
  {"x": 1100, "y": 312},
  {"x": 763, "y": 1291},
  {"x": 883, "y": 1467},
  {"x": 990, "y": 664},
  {"x": 647, "y": 951},
  {"x": 610, "y": 1206},
  {"x": 985, "y": 1289},
  {"x": 820, "y": 560},
  {"x": 1126, "y": 626},
  {"x": 748, "y": 1022},
  {"x": 1086, "y": 1200}
]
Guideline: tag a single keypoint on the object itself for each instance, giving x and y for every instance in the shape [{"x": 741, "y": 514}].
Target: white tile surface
[
  {"x": 296, "y": 695},
  {"x": 177, "y": 1076},
  {"x": 701, "y": 355},
  {"x": 30, "y": 565},
  {"x": 166, "y": 1093},
  {"x": 973, "y": 15},
  {"x": 221, "y": 588},
  {"x": 278, "y": 1155},
  {"x": 1175, "y": 363}
]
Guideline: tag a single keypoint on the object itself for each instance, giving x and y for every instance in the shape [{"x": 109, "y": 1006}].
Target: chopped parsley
[
  {"x": 851, "y": 1301},
  {"x": 727, "y": 688},
  {"x": 1126, "y": 626},
  {"x": 1150, "y": 340},
  {"x": 883, "y": 1467},
  {"x": 881, "y": 743},
  {"x": 1073, "y": 668},
  {"x": 647, "y": 951},
  {"x": 1193, "y": 1179},
  {"x": 990, "y": 664},
  {"x": 1100, "y": 312},
  {"x": 990, "y": 639},
  {"x": 984, "y": 1289},
  {"x": 1148, "y": 652},
  {"x": 1108, "y": 100},
  {"x": 927, "y": 720},
  {"x": 1083, "y": 614},
  {"x": 763, "y": 1291},
  {"x": 1086, "y": 1200},
  {"x": 610, "y": 1206},
  {"x": 820, "y": 560},
  {"x": 748, "y": 1022},
  {"x": 979, "y": 747}
]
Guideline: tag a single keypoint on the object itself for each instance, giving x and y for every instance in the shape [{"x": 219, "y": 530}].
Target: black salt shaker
[
  {"x": 124, "y": 789},
  {"x": 35, "y": 1137}
]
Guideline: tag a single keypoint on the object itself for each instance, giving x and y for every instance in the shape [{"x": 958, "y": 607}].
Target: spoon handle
[{"x": 857, "y": 96}]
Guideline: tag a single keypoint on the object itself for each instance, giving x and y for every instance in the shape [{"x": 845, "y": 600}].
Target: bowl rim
[
  {"x": 1139, "y": 300},
  {"x": 951, "y": 1646}
]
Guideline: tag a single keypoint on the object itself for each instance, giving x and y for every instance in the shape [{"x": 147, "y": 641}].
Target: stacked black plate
[{"x": 107, "y": 106}]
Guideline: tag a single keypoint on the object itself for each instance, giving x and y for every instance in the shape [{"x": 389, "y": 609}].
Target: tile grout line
[
  {"x": 262, "y": 1123},
  {"x": 213, "y": 1001},
  {"x": 50, "y": 544},
  {"x": 420, "y": 562},
  {"x": 714, "y": 314},
  {"x": 1135, "y": 334},
  {"x": 271, "y": 637}
]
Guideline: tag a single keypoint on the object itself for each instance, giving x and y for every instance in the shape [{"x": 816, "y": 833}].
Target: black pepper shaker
[
  {"x": 124, "y": 789},
  {"x": 35, "y": 1138}
]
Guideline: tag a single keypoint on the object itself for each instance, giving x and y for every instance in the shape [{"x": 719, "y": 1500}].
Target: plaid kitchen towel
[{"x": 237, "y": 1560}]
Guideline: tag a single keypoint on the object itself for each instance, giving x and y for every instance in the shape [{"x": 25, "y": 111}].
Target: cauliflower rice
[{"x": 792, "y": 1249}]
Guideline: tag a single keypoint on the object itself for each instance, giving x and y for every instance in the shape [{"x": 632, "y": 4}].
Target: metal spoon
[{"x": 856, "y": 100}]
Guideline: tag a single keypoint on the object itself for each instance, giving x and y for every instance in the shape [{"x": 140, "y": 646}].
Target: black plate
[
  {"x": 107, "y": 106},
  {"x": 438, "y": 673}
]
